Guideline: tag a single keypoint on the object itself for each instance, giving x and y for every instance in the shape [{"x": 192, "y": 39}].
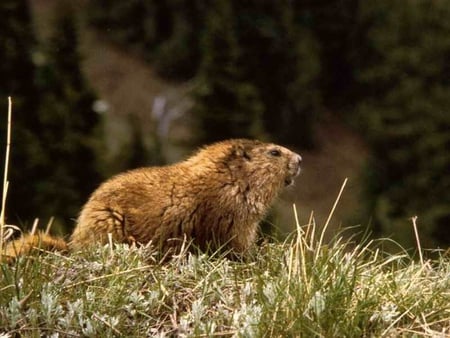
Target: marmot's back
[{"x": 216, "y": 197}]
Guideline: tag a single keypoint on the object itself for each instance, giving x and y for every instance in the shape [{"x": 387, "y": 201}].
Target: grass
[{"x": 296, "y": 288}]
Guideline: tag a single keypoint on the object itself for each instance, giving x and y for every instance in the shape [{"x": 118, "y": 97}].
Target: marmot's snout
[
  {"x": 293, "y": 168},
  {"x": 297, "y": 159}
]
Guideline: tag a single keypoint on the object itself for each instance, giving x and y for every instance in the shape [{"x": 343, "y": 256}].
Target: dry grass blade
[
  {"x": 107, "y": 324},
  {"x": 49, "y": 225},
  {"x": 331, "y": 214},
  {"x": 125, "y": 272},
  {"x": 299, "y": 248},
  {"x": 34, "y": 227},
  {"x": 416, "y": 234},
  {"x": 5, "y": 177}
]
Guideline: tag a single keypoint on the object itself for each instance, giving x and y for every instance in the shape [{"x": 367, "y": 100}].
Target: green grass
[{"x": 296, "y": 288}]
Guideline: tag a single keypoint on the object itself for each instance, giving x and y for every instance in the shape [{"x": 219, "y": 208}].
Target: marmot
[{"x": 216, "y": 198}]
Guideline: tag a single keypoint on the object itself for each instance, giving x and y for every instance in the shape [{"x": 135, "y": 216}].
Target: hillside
[
  {"x": 129, "y": 86},
  {"x": 297, "y": 288}
]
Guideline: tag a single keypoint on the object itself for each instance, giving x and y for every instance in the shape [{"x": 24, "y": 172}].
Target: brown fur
[
  {"x": 215, "y": 198},
  {"x": 30, "y": 242}
]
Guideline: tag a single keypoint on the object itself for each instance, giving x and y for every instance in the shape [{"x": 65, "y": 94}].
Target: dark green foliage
[
  {"x": 68, "y": 126},
  {"x": 139, "y": 24},
  {"x": 136, "y": 153},
  {"x": 406, "y": 114},
  {"x": 304, "y": 100},
  {"x": 52, "y": 167},
  {"x": 165, "y": 32},
  {"x": 225, "y": 104},
  {"x": 17, "y": 43},
  {"x": 280, "y": 59},
  {"x": 335, "y": 24},
  {"x": 17, "y": 73},
  {"x": 179, "y": 56}
]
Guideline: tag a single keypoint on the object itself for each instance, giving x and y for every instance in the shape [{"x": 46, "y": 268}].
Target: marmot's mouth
[{"x": 288, "y": 181}]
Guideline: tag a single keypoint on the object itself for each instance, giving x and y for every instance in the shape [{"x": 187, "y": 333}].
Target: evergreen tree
[
  {"x": 122, "y": 21},
  {"x": 136, "y": 153},
  {"x": 140, "y": 25},
  {"x": 279, "y": 57},
  {"x": 405, "y": 76},
  {"x": 335, "y": 24},
  {"x": 179, "y": 56},
  {"x": 226, "y": 105},
  {"x": 164, "y": 32},
  {"x": 17, "y": 72},
  {"x": 68, "y": 125}
]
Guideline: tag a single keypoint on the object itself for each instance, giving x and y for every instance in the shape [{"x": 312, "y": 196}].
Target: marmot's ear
[{"x": 240, "y": 151}]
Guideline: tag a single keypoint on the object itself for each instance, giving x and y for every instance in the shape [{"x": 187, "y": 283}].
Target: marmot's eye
[{"x": 275, "y": 152}]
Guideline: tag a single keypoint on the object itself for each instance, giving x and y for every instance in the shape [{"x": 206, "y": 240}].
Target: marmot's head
[
  {"x": 268, "y": 162},
  {"x": 262, "y": 165}
]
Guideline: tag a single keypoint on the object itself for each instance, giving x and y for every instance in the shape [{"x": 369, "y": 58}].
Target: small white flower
[
  {"x": 247, "y": 319},
  {"x": 387, "y": 314},
  {"x": 247, "y": 289},
  {"x": 197, "y": 310},
  {"x": 269, "y": 291},
  {"x": 317, "y": 303},
  {"x": 13, "y": 311}
]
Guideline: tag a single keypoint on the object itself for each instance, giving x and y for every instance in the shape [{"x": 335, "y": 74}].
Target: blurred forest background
[{"x": 360, "y": 88}]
